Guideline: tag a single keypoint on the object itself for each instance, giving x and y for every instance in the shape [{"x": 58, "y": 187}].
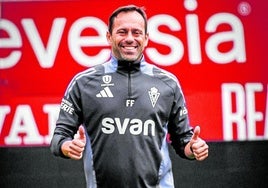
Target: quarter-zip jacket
[{"x": 127, "y": 109}]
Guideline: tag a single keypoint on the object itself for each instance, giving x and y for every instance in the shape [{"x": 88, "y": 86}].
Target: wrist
[{"x": 65, "y": 148}]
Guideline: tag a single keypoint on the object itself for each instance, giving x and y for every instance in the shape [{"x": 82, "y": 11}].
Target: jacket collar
[{"x": 127, "y": 66}]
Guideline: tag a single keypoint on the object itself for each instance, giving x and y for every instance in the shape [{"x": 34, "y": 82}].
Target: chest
[{"x": 119, "y": 95}]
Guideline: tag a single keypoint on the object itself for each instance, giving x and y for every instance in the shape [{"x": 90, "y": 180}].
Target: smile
[{"x": 129, "y": 47}]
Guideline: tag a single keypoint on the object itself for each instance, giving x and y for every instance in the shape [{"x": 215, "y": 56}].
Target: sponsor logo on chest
[{"x": 134, "y": 126}]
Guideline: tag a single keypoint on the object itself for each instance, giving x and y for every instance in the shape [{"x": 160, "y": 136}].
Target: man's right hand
[{"x": 74, "y": 148}]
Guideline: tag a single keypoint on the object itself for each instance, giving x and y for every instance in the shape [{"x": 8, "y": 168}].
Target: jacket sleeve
[
  {"x": 179, "y": 128},
  {"x": 69, "y": 119}
]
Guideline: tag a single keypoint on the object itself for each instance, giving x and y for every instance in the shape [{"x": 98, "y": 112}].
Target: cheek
[
  {"x": 145, "y": 43},
  {"x": 115, "y": 41}
]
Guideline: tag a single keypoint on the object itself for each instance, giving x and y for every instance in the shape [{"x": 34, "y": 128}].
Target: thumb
[
  {"x": 196, "y": 133},
  {"x": 81, "y": 132}
]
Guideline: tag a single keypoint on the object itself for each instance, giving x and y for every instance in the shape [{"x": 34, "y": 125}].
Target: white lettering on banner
[
  {"x": 46, "y": 55},
  {"x": 253, "y": 116},
  {"x": 238, "y": 52},
  {"x": 24, "y": 129},
  {"x": 136, "y": 126},
  {"x": 245, "y": 115},
  {"x": 171, "y": 41},
  {"x": 14, "y": 41},
  {"x": 194, "y": 47},
  {"x": 23, "y": 123},
  {"x": 76, "y": 41},
  {"x": 4, "y": 110}
]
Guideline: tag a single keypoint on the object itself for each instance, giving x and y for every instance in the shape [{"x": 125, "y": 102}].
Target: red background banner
[{"x": 217, "y": 49}]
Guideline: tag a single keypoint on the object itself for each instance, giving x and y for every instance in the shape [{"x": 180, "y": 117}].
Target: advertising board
[{"x": 217, "y": 49}]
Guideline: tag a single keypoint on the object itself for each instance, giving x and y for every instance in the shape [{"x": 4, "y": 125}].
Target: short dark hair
[{"x": 128, "y": 8}]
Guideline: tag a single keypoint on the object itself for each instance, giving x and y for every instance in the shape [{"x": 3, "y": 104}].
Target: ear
[
  {"x": 108, "y": 37},
  {"x": 146, "y": 39}
]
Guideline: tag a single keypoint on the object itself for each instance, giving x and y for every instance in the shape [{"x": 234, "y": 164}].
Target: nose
[{"x": 129, "y": 37}]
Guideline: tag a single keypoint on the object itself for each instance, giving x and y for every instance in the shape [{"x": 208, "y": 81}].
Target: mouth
[
  {"x": 128, "y": 52},
  {"x": 129, "y": 47}
]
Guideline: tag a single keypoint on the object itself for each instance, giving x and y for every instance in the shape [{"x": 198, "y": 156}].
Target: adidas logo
[{"x": 106, "y": 92}]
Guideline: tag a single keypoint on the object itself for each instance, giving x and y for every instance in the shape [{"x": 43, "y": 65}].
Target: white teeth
[{"x": 129, "y": 47}]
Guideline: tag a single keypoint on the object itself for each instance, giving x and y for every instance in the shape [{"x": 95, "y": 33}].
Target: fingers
[
  {"x": 201, "y": 156},
  {"x": 77, "y": 145},
  {"x": 200, "y": 150},
  {"x": 75, "y": 155},
  {"x": 76, "y": 149}
]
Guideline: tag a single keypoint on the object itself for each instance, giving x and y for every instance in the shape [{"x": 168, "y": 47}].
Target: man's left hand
[{"x": 198, "y": 146}]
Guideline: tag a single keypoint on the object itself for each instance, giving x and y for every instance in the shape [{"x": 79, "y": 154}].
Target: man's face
[{"x": 128, "y": 38}]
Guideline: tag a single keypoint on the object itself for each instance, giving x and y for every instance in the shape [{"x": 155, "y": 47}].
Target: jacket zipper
[{"x": 129, "y": 81}]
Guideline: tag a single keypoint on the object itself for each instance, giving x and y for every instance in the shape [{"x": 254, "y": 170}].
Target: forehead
[{"x": 130, "y": 19}]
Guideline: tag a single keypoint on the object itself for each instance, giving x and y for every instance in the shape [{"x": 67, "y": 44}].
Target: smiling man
[
  {"x": 122, "y": 112},
  {"x": 128, "y": 35}
]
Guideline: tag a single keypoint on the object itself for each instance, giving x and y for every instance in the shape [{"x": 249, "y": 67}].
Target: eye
[
  {"x": 121, "y": 32},
  {"x": 137, "y": 32}
]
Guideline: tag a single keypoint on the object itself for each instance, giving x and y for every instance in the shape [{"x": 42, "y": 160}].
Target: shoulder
[
  {"x": 89, "y": 74},
  {"x": 84, "y": 77},
  {"x": 164, "y": 75},
  {"x": 154, "y": 70}
]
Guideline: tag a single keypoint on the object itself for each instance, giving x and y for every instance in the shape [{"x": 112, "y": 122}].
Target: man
[{"x": 122, "y": 111}]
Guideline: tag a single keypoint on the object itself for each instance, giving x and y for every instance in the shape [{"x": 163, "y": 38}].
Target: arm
[
  {"x": 186, "y": 141},
  {"x": 64, "y": 143}
]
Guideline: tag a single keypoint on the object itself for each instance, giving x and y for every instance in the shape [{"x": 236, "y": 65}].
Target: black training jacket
[{"x": 127, "y": 109}]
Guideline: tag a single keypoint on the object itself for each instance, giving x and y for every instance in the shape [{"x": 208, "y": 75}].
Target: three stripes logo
[{"x": 106, "y": 92}]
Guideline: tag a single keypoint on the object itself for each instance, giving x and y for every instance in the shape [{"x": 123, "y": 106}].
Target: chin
[{"x": 130, "y": 58}]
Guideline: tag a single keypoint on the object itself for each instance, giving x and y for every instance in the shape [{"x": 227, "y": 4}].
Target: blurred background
[{"x": 217, "y": 49}]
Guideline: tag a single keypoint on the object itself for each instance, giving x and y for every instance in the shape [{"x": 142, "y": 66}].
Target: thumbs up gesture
[
  {"x": 74, "y": 148},
  {"x": 197, "y": 147}
]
